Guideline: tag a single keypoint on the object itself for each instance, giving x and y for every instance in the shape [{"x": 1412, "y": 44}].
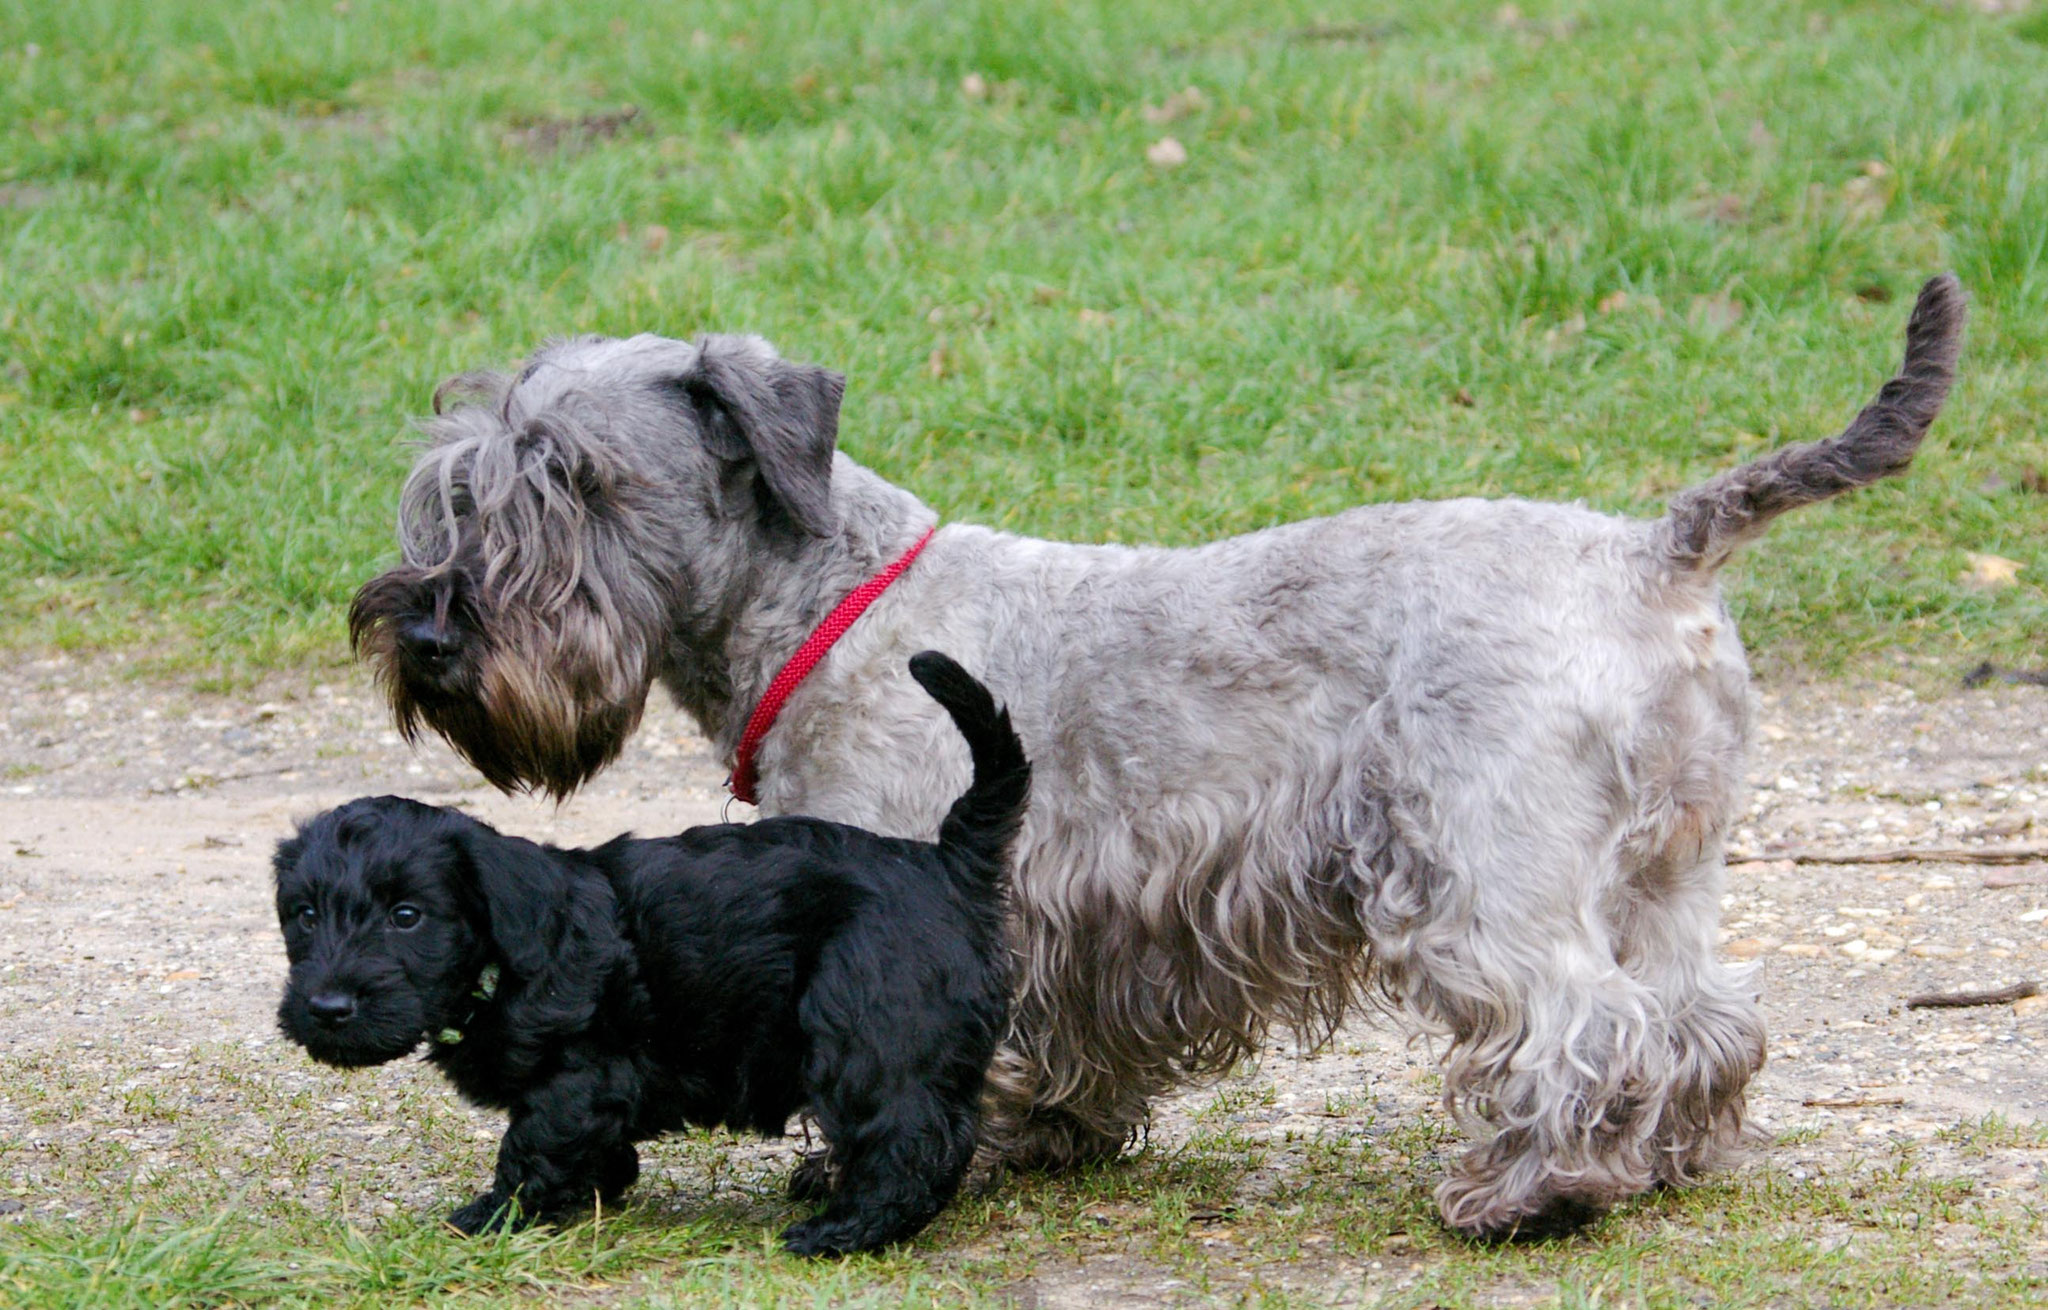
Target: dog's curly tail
[
  {"x": 984, "y": 821},
  {"x": 1706, "y": 523}
]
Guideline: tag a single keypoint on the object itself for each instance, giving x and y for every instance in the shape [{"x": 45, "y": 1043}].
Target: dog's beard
[
  {"x": 543, "y": 704},
  {"x": 386, "y": 1025},
  {"x": 527, "y": 726}
]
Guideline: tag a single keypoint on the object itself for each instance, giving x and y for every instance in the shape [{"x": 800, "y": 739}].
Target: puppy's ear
[
  {"x": 284, "y": 863},
  {"x": 525, "y": 897},
  {"x": 553, "y": 927},
  {"x": 750, "y": 405}
]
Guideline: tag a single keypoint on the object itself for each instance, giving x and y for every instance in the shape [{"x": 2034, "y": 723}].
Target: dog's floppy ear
[
  {"x": 751, "y": 405},
  {"x": 551, "y": 926},
  {"x": 525, "y": 898}
]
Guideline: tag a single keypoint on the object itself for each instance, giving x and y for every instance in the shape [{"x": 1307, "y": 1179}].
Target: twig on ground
[
  {"x": 1851, "y": 1102},
  {"x": 1905, "y": 855},
  {"x": 1957, "y": 1000},
  {"x": 1994, "y": 881},
  {"x": 1987, "y": 671}
]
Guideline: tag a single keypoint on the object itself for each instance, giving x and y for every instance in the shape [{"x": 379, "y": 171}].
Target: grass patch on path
[{"x": 1555, "y": 250}]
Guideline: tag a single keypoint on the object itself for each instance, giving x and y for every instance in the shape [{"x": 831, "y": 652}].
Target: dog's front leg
[{"x": 570, "y": 1140}]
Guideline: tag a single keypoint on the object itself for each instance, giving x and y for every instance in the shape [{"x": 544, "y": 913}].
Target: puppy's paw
[
  {"x": 828, "y": 1237},
  {"x": 489, "y": 1213},
  {"x": 621, "y": 1170}
]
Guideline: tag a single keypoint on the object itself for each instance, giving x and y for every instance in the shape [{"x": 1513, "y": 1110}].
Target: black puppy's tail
[
  {"x": 1706, "y": 523},
  {"x": 984, "y": 821}
]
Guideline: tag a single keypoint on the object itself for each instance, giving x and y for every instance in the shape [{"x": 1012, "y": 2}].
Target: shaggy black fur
[{"x": 731, "y": 975}]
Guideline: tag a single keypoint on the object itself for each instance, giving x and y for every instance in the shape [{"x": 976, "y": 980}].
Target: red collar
[{"x": 800, "y": 665}]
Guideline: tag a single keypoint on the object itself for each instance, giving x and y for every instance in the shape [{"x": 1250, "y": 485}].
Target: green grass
[
  {"x": 240, "y": 242},
  {"x": 1233, "y": 1212}
]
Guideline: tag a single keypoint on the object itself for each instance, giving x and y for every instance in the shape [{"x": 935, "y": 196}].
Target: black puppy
[{"x": 731, "y": 975}]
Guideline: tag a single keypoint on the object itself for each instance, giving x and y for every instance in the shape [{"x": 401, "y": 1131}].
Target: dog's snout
[
  {"x": 332, "y": 1007},
  {"x": 426, "y": 639}
]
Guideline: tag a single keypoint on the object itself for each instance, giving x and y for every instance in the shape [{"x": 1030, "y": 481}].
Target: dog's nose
[
  {"x": 424, "y": 639},
  {"x": 332, "y": 1007}
]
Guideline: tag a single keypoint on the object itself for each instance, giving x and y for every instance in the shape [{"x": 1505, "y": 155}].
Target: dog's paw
[
  {"x": 1542, "y": 1220},
  {"x": 489, "y": 1213},
  {"x": 621, "y": 1170},
  {"x": 829, "y": 1237}
]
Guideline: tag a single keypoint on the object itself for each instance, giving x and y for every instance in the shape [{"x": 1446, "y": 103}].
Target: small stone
[
  {"x": 1934, "y": 951},
  {"x": 1744, "y": 948},
  {"x": 2029, "y": 1006},
  {"x": 1166, "y": 152},
  {"x": 1801, "y": 950},
  {"x": 1855, "y": 949}
]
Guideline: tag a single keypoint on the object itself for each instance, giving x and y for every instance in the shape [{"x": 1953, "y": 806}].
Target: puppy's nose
[
  {"x": 332, "y": 1007},
  {"x": 427, "y": 640}
]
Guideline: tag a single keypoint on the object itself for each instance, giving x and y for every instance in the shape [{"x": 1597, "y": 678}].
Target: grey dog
[{"x": 1469, "y": 761}]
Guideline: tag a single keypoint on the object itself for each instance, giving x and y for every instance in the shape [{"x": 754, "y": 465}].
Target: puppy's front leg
[
  {"x": 491, "y": 1210},
  {"x": 570, "y": 1140}
]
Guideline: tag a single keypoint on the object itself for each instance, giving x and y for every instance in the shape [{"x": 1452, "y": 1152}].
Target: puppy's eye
[
  {"x": 404, "y": 917},
  {"x": 306, "y": 915}
]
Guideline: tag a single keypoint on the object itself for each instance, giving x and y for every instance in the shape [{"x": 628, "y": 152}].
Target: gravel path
[{"x": 139, "y": 959}]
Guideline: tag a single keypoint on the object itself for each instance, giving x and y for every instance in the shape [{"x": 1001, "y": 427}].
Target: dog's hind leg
[
  {"x": 619, "y": 1171},
  {"x": 895, "y": 1170},
  {"x": 1550, "y": 1047},
  {"x": 1499, "y": 937},
  {"x": 1711, "y": 1024},
  {"x": 1022, "y": 1134}
]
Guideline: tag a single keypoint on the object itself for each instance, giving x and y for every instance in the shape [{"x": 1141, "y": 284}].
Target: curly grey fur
[{"x": 1469, "y": 761}]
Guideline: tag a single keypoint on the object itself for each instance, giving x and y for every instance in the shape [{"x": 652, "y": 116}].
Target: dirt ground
[{"x": 137, "y": 940}]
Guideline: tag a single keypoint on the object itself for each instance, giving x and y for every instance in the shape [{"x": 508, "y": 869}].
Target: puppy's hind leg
[
  {"x": 619, "y": 1170},
  {"x": 896, "y": 1171}
]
